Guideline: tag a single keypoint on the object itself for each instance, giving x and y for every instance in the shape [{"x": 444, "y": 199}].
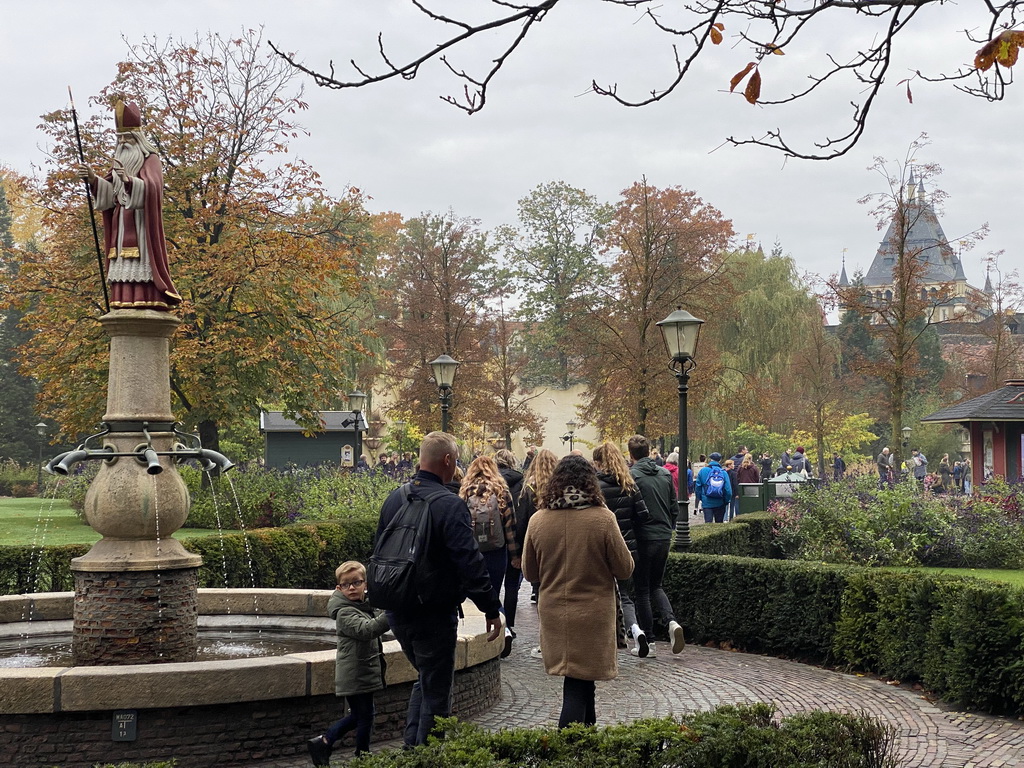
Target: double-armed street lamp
[
  {"x": 444, "y": 374},
  {"x": 680, "y": 330},
  {"x": 41, "y": 428},
  {"x": 570, "y": 433}
]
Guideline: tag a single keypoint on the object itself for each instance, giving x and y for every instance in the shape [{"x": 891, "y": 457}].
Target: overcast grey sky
[{"x": 413, "y": 153}]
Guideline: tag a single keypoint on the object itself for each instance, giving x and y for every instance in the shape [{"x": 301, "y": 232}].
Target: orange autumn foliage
[{"x": 263, "y": 256}]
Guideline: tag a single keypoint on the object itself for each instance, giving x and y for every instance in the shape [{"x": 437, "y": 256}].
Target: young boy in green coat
[{"x": 359, "y": 664}]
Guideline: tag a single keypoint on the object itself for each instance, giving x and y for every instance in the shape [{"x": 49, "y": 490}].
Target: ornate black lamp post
[
  {"x": 906, "y": 438},
  {"x": 444, "y": 374},
  {"x": 41, "y": 428},
  {"x": 570, "y": 433},
  {"x": 681, "y": 330},
  {"x": 356, "y": 403},
  {"x": 400, "y": 426}
]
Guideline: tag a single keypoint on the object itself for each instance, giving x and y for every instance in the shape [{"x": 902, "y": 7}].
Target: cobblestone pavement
[{"x": 930, "y": 733}]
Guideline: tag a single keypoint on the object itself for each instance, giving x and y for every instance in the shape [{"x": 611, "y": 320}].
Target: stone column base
[{"x": 135, "y": 617}]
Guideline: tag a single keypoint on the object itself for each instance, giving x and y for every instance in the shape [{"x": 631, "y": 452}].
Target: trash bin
[
  {"x": 783, "y": 486},
  {"x": 752, "y": 498}
]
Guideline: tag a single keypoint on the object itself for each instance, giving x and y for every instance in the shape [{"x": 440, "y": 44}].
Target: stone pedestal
[
  {"x": 135, "y": 617},
  {"x": 135, "y": 590}
]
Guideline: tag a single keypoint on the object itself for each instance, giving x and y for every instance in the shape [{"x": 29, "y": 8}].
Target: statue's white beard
[{"x": 131, "y": 157}]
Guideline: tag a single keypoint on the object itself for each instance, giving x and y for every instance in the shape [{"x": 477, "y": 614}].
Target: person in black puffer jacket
[
  {"x": 622, "y": 497},
  {"x": 506, "y": 461}
]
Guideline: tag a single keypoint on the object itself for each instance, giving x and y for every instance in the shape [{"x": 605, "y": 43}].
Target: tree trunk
[
  {"x": 820, "y": 439},
  {"x": 209, "y": 436}
]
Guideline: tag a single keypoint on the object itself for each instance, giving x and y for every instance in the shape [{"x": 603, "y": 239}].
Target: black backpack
[{"x": 397, "y": 577}]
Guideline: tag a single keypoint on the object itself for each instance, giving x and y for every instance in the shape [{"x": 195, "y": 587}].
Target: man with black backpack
[{"x": 448, "y": 569}]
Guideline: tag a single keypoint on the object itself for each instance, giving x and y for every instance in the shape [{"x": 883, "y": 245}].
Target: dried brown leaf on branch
[
  {"x": 716, "y": 32},
  {"x": 910, "y": 96},
  {"x": 738, "y": 77},
  {"x": 1002, "y": 50},
  {"x": 753, "y": 90}
]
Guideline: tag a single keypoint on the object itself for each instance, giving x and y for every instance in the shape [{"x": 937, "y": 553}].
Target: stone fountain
[
  {"x": 136, "y": 589},
  {"x": 135, "y": 692}
]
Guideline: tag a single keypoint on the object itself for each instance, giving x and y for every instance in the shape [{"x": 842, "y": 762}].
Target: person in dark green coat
[{"x": 359, "y": 665}]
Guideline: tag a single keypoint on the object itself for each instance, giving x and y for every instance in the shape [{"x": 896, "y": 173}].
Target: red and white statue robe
[{"x": 137, "y": 266}]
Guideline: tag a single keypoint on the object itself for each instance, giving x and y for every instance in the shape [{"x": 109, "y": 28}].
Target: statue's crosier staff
[{"x": 88, "y": 197}]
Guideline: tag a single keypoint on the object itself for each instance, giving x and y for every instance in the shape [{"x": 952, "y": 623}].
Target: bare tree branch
[{"x": 768, "y": 27}]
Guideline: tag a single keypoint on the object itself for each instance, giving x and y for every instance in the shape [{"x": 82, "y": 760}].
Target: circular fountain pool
[
  {"x": 225, "y": 712},
  {"x": 25, "y": 647}
]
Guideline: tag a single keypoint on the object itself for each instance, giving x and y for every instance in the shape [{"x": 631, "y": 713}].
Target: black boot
[{"x": 319, "y": 751}]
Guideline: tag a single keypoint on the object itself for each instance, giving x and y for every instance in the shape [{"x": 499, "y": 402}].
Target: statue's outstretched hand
[{"x": 86, "y": 172}]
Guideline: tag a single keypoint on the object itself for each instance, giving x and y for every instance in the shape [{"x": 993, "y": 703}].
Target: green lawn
[
  {"x": 993, "y": 574},
  {"x": 52, "y": 522}
]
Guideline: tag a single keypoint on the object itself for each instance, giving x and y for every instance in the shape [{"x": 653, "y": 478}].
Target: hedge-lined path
[{"x": 930, "y": 734}]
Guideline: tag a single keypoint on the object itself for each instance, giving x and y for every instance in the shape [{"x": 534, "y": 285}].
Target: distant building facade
[
  {"x": 337, "y": 443},
  {"x": 942, "y": 282}
]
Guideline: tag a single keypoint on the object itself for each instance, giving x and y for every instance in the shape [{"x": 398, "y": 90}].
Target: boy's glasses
[{"x": 352, "y": 584}]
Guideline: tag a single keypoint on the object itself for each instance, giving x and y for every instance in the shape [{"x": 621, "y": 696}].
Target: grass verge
[{"x": 53, "y": 522}]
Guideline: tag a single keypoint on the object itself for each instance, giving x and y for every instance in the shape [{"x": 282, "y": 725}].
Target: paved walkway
[{"x": 930, "y": 734}]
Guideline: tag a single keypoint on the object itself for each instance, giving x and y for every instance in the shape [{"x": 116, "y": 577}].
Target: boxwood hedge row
[
  {"x": 963, "y": 638},
  {"x": 294, "y": 557}
]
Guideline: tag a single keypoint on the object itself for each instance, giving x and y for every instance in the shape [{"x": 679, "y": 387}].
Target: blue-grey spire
[{"x": 959, "y": 273}]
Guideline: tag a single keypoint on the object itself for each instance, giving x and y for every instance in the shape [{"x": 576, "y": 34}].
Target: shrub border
[{"x": 960, "y": 636}]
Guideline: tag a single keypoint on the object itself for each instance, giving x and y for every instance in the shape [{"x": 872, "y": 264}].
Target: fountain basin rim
[{"x": 149, "y": 686}]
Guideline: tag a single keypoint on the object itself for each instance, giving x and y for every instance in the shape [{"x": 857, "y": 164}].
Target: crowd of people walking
[{"x": 592, "y": 537}]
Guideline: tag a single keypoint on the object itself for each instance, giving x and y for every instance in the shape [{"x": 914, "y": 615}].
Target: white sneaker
[
  {"x": 642, "y": 647},
  {"x": 675, "y": 633}
]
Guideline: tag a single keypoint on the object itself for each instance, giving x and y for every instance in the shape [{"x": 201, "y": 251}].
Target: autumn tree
[
  {"x": 820, "y": 392},
  {"x": 666, "y": 248},
  {"x": 438, "y": 281},
  {"x": 18, "y": 437},
  {"x": 506, "y": 401},
  {"x": 1003, "y": 356},
  {"x": 900, "y": 317},
  {"x": 259, "y": 264},
  {"x": 552, "y": 257},
  {"x": 473, "y": 46}
]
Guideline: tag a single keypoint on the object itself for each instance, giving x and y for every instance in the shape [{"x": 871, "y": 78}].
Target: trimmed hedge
[
  {"x": 26, "y": 569},
  {"x": 748, "y": 535},
  {"x": 961, "y": 637},
  {"x": 294, "y": 557},
  {"x": 746, "y": 735}
]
